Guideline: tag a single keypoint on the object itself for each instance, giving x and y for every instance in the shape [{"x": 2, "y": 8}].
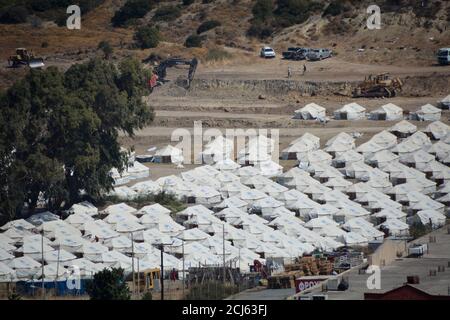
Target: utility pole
[
  {"x": 132, "y": 263},
  {"x": 57, "y": 267},
  {"x": 42, "y": 262},
  {"x": 162, "y": 272},
  {"x": 223, "y": 252},
  {"x": 138, "y": 279},
  {"x": 184, "y": 280}
]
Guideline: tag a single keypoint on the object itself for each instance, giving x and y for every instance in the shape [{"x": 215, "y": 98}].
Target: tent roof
[{"x": 403, "y": 127}]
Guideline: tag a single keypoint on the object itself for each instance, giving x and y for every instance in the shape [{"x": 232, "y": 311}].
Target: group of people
[{"x": 290, "y": 71}]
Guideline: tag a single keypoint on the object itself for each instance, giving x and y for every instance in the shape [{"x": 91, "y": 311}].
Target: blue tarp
[{"x": 62, "y": 289}]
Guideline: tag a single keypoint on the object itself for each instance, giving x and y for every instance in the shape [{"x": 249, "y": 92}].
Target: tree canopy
[{"x": 58, "y": 132}]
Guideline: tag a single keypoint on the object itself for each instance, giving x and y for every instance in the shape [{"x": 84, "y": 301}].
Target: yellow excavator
[
  {"x": 25, "y": 57},
  {"x": 381, "y": 85}
]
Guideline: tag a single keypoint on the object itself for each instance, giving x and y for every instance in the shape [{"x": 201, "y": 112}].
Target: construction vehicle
[
  {"x": 160, "y": 72},
  {"x": 381, "y": 85},
  {"x": 25, "y": 57}
]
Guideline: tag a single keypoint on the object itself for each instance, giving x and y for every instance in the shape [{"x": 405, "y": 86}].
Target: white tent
[
  {"x": 388, "y": 111},
  {"x": 226, "y": 165},
  {"x": 218, "y": 149},
  {"x": 426, "y": 217},
  {"x": 363, "y": 227},
  {"x": 358, "y": 170},
  {"x": 300, "y": 147},
  {"x": 395, "y": 227},
  {"x": 403, "y": 129},
  {"x": 382, "y": 158},
  {"x": 310, "y": 111},
  {"x": 154, "y": 209},
  {"x": 437, "y": 130},
  {"x": 315, "y": 157},
  {"x": 146, "y": 188},
  {"x": 346, "y": 158},
  {"x": 92, "y": 251},
  {"x": 123, "y": 193},
  {"x": 390, "y": 213},
  {"x": 138, "y": 171},
  {"x": 266, "y": 206},
  {"x": 351, "y": 111},
  {"x": 418, "y": 159},
  {"x": 25, "y": 267},
  {"x": 119, "y": 208},
  {"x": 384, "y": 139},
  {"x": 427, "y": 112},
  {"x": 19, "y": 223},
  {"x": 309, "y": 139},
  {"x": 368, "y": 149},
  {"x": 168, "y": 154},
  {"x": 6, "y": 273},
  {"x": 232, "y": 189},
  {"x": 269, "y": 168}
]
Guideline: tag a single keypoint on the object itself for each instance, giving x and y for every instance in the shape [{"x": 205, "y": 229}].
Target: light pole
[
  {"x": 184, "y": 281},
  {"x": 42, "y": 262},
  {"x": 162, "y": 271}
]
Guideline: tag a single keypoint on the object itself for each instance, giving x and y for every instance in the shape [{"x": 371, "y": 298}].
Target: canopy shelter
[
  {"x": 351, "y": 111},
  {"x": 426, "y": 112},
  {"x": 388, "y": 112},
  {"x": 310, "y": 111}
]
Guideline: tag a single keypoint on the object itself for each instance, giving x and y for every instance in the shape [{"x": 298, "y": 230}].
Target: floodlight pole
[
  {"x": 132, "y": 263},
  {"x": 162, "y": 271},
  {"x": 223, "y": 251},
  {"x": 184, "y": 280},
  {"x": 42, "y": 262}
]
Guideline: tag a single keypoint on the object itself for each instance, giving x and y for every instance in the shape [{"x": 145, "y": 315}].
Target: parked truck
[{"x": 443, "y": 56}]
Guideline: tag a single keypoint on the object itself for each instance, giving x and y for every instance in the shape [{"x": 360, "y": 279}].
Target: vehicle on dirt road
[
  {"x": 318, "y": 54},
  {"x": 296, "y": 53},
  {"x": 443, "y": 56},
  {"x": 267, "y": 52},
  {"x": 26, "y": 58}
]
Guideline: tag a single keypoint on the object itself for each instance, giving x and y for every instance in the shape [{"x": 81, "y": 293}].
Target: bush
[
  {"x": 208, "y": 25},
  {"x": 334, "y": 8},
  {"x": 131, "y": 10},
  {"x": 44, "y": 44},
  {"x": 188, "y": 2},
  {"x": 14, "y": 14},
  {"x": 147, "y": 296},
  {"x": 105, "y": 46},
  {"x": 211, "y": 290},
  {"x": 263, "y": 10},
  {"x": 216, "y": 54},
  {"x": 207, "y": 1},
  {"x": 193, "y": 41},
  {"x": 260, "y": 30},
  {"x": 167, "y": 13},
  {"x": 148, "y": 37},
  {"x": 108, "y": 285}
]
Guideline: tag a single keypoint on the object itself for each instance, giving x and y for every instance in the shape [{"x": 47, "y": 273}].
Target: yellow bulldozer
[
  {"x": 25, "y": 57},
  {"x": 378, "y": 86}
]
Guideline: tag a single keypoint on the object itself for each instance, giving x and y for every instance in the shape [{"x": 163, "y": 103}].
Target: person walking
[
  {"x": 289, "y": 72},
  {"x": 304, "y": 69}
]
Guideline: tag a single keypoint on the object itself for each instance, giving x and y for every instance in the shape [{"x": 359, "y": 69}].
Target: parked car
[
  {"x": 267, "y": 52},
  {"x": 443, "y": 56},
  {"x": 296, "y": 53},
  {"x": 290, "y": 52},
  {"x": 318, "y": 54}
]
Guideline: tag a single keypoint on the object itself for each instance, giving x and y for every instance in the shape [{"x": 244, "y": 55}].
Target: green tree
[
  {"x": 263, "y": 10},
  {"x": 108, "y": 285},
  {"x": 193, "y": 41},
  {"x": 147, "y": 37},
  {"x": 58, "y": 132}
]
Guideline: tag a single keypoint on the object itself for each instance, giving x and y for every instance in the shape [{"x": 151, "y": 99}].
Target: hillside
[{"x": 410, "y": 34}]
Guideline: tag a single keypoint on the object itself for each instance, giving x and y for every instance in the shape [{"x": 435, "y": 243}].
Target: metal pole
[
  {"x": 223, "y": 251},
  {"x": 57, "y": 268},
  {"x": 132, "y": 263},
  {"x": 184, "y": 281},
  {"x": 138, "y": 279},
  {"x": 162, "y": 272},
  {"x": 42, "y": 262}
]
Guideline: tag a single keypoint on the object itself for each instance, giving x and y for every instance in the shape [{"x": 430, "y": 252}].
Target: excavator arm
[{"x": 161, "y": 69}]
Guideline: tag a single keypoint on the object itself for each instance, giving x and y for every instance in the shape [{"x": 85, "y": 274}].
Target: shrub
[
  {"x": 14, "y": 14},
  {"x": 188, "y": 2},
  {"x": 167, "y": 13},
  {"x": 259, "y": 30},
  {"x": 44, "y": 44},
  {"x": 148, "y": 37},
  {"x": 131, "y": 10},
  {"x": 105, "y": 46},
  {"x": 207, "y": 1},
  {"x": 147, "y": 296},
  {"x": 108, "y": 285},
  {"x": 334, "y": 8},
  {"x": 263, "y": 10},
  {"x": 193, "y": 41},
  {"x": 216, "y": 54},
  {"x": 208, "y": 25}
]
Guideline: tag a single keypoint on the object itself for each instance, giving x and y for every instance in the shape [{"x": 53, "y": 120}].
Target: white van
[{"x": 443, "y": 56}]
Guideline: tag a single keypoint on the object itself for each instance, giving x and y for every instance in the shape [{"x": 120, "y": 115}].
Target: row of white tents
[
  {"x": 354, "y": 111},
  {"x": 342, "y": 195}
]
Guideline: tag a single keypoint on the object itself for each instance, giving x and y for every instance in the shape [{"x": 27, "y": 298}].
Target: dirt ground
[{"x": 231, "y": 105}]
